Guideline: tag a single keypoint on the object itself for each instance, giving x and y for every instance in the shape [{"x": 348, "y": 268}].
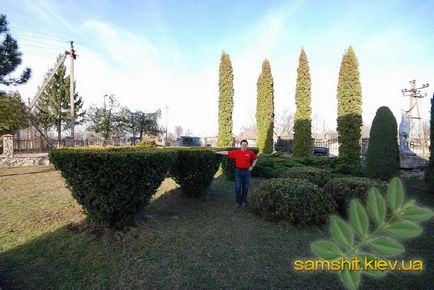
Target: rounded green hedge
[
  {"x": 194, "y": 170},
  {"x": 294, "y": 200},
  {"x": 112, "y": 183},
  {"x": 343, "y": 189},
  {"x": 315, "y": 175},
  {"x": 273, "y": 165}
]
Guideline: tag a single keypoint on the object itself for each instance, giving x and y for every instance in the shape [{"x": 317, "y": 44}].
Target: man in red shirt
[{"x": 245, "y": 160}]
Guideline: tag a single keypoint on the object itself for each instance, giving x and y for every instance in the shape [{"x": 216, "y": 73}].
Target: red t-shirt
[{"x": 242, "y": 158}]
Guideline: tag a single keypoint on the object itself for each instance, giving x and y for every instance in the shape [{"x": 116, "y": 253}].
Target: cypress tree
[
  {"x": 226, "y": 101},
  {"x": 383, "y": 151},
  {"x": 265, "y": 109},
  {"x": 302, "y": 118},
  {"x": 349, "y": 108},
  {"x": 429, "y": 174}
]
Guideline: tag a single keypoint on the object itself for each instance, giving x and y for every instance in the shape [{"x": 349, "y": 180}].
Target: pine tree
[
  {"x": 429, "y": 173},
  {"x": 265, "y": 109},
  {"x": 53, "y": 107},
  {"x": 382, "y": 160},
  {"x": 302, "y": 122},
  {"x": 10, "y": 57},
  {"x": 226, "y": 101},
  {"x": 349, "y": 108}
]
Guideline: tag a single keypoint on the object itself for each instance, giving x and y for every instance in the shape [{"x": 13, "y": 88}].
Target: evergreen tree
[
  {"x": 12, "y": 113},
  {"x": 349, "y": 108},
  {"x": 265, "y": 109},
  {"x": 10, "y": 57},
  {"x": 53, "y": 107},
  {"x": 226, "y": 101},
  {"x": 429, "y": 173},
  {"x": 382, "y": 160},
  {"x": 103, "y": 120},
  {"x": 303, "y": 121}
]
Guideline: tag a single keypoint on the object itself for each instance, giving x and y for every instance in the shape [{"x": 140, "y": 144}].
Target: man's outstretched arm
[{"x": 222, "y": 152}]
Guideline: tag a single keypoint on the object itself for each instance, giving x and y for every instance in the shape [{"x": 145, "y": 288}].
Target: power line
[
  {"x": 55, "y": 38},
  {"x": 42, "y": 47}
]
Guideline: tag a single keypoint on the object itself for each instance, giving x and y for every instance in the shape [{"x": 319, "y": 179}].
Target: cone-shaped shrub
[
  {"x": 382, "y": 161},
  {"x": 302, "y": 122},
  {"x": 265, "y": 109},
  {"x": 226, "y": 101}
]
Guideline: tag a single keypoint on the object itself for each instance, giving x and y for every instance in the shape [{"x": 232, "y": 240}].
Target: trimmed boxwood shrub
[
  {"x": 294, "y": 200},
  {"x": 112, "y": 184},
  {"x": 336, "y": 165},
  {"x": 194, "y": 170},
  {"x": 228, "y": 165},
  {"x": 273, "y": 165},
  {"x": 343, "y": 189},
  {"x": 315, "y": 175}
]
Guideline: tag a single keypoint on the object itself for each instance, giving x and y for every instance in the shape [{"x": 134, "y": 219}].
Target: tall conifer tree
[
  {"x": 349, "y": 120},
  {"x": 226, "y": 101},
  {"x": 302, "y": 118},
  {"x": 265, "y": 109}
]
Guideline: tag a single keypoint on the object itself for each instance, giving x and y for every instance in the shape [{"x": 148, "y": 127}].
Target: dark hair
[{"x": 244, "y": 140}]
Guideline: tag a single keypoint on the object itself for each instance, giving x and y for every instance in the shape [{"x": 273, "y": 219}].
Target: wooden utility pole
[
  {"x": 415, "y": 95},
  {"x": 71, "y": 87}
]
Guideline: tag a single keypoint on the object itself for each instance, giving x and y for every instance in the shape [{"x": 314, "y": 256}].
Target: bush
[
  {"x": 429, "y": 173},
  {"x": 147, "y": 143},
  {"x": 194, "y": 170},
  {"x": 315, "y": 175},
  {"x": 382, "y": 158},
  {"x": 294, "y": 200},
  {"x": 336, "y": 165},
  {"x": 228, "y": 165},
  {"x": 273, "y": 165},
  {"x": 344, "y": 189},
  {"x": 112, "y": 184}
]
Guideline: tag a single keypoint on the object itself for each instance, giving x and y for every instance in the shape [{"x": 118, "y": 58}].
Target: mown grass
[{"x": 180, "y": 243}]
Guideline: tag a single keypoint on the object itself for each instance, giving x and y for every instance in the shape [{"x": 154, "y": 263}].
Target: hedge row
[
  {"x": 113, "y": 183},
  {"x": 315, "y": 175}
]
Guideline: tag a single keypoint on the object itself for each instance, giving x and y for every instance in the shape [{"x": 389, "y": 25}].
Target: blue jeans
[{"x": 242, "y": 182}]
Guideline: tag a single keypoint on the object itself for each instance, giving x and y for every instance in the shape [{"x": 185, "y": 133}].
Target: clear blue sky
[{"x": 152, "y": 53}]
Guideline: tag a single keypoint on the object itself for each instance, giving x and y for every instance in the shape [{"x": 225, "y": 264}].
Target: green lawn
[{"x": 180, "y": 243}]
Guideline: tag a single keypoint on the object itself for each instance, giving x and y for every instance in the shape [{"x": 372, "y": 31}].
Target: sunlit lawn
[{"x": 180, "y": 243}]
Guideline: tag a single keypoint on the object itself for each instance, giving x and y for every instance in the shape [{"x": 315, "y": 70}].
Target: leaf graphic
[
  {"x": 341, "y": 231},
  {"x": 395, "y": 193},
  {"x": 376, "y": 205},
  {"x": 351, "y": 279},
  {"x": 326, "y": 249},
  {"x": 358, "y": 218},
  {"x": 386, "y": 246},
  {"x": 417, "y": 214},
  {"x": 404, "y": 229}
]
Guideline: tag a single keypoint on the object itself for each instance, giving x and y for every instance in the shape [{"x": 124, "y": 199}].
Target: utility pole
[
  {"x": 167, "y": 116},
  {"x": 71, "y": 88},
  {"x": 415, "y": 95}
]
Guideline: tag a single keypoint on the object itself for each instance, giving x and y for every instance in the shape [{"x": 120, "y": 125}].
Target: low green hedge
[
  {"x": 344, "y": 189},
  {"x": 112, "y": 183},
  {"x": 228, "y": 165},
  {"x": 294, "y": 200},
  {"x": 315, "y": 175},
  {"x": 336, "y": 165},
  {"x": 194, "y": 169},
  {"x": 273, "y": 165}
]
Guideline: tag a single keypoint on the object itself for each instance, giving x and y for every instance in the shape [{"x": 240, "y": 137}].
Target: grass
[{"x": 180, "y": 243}]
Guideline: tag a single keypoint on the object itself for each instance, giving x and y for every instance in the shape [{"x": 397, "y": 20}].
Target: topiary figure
[{"x": 383, "y": 152}]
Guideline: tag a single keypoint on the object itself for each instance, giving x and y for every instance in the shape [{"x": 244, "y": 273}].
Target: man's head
[{"x": 244, "y": 144}]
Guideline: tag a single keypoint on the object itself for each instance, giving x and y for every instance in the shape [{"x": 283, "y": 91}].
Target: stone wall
[{"x": 24, "y": 160}]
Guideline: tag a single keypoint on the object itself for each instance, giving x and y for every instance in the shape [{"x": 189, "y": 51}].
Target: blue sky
[{"x": 153, "y": 53}]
